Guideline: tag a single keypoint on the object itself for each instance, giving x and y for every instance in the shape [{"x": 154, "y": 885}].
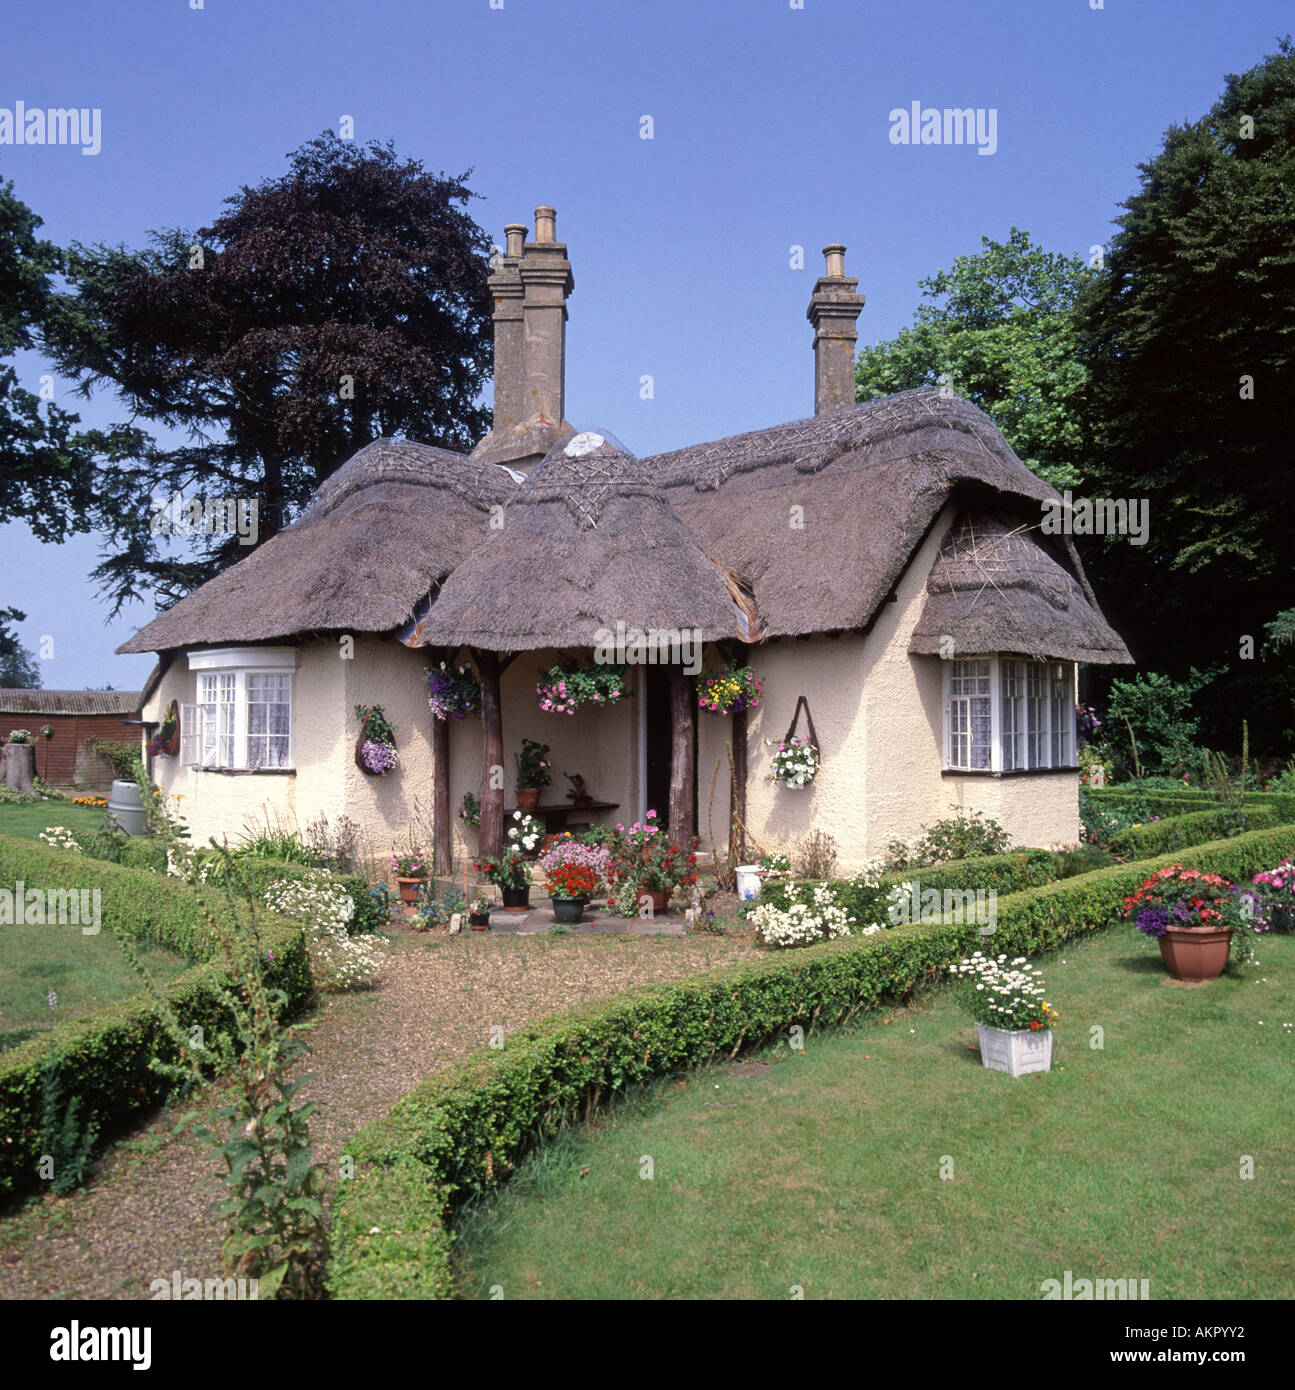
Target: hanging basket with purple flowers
[
  {"x": 452, "y": 692},
  {"x": 375, "y": 749}
]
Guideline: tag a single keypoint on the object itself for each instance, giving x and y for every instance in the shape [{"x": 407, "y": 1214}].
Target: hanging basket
[
  {"x": 166, "y": 742},
  {"x": 810, "y": 741},
  {"x": 362, "y": 765}
]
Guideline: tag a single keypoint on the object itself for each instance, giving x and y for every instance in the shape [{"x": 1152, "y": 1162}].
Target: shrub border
[
  {"x": 1178, "y": 832},
  {"x": 462, "y": 1131},
  {"x": 105, "y": 1057}
]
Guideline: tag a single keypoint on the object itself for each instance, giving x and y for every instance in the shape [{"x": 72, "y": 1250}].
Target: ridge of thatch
[
  {"x": 588, "y": 541},
  {"x": 994, "y": 588},
  {"x": 824, "y": 514},
  {"x": 377, "y": 535}
]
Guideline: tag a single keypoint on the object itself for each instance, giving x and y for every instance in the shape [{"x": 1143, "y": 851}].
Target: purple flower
[{"x": 1153, "y": 921}]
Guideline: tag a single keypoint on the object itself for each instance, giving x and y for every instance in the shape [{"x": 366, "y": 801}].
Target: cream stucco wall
[{"x": 878, "y": 714}]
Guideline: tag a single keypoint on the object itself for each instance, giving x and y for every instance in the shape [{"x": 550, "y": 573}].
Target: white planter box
[{"x": 1018, "y": 1052}]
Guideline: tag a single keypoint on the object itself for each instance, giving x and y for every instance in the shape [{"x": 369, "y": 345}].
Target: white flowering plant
[
  {"x": 1002, "y": 993},
  {"x": 61, "y": 838},
  {"x": 795, "y": 762},
  {"x": 813, "y": 916},
  {"x": 339, "y": 961},
  {"x": 526, "y": 832}
]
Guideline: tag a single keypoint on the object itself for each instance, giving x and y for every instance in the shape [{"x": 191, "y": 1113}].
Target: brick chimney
[
  {"x": 834, "y": 310},
  {"x": 530, "y": 288}
]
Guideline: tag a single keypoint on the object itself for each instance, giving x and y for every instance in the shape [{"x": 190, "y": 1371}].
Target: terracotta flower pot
[
  {"x": 528, "y": 799},
  {"x": 409, "y": 889},
  {"x": 1195, "y": 953},
  {"x": 659, "y": 898}
]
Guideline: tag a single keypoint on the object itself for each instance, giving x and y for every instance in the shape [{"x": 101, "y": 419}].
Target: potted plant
[
  {"x": 375, "y": 749},
  {"x": 795, "y": 762},
  {"x": 1013, "y": 1020},
  {"x": 532, "y": 773},
  {"x": 566, "y": 850},
  {"x": 563, "y": 688},
  {"x": 1275, "y": 891},
  {"x": 452, "y": 692},
  {"x": 658, "y": 865},
  {"x": 774, "y": 866},
  {"x": 1188, "y": 913},
  {"x": 166, "y": 742},
  {"x": 479, "y": 914},
  {"x": 730, "y": 691},
  {"x": 511, "y": 875},
  {"x": 438, "y": 912},
  {"x": 570, "y": 887},
  {"x": 526, "y": 834},
  {"x": 410, "y": 872},
  {"x": 579, "y": 794}
]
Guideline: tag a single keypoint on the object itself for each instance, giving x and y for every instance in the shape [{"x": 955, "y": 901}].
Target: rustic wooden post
[
  {"x": 737, "y": 812},
  {"x": 441, "y": 786},
  {"x": 681, "y": 755},
  {"x": 491, "y": 839}
]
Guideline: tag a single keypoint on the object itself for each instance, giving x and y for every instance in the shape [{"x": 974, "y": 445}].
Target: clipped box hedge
[
  {"x": 463, "y": 1130},
  {"x": 1188, "y": 799},
  {"x": 104, "y": 1058},
  {"x": 259, "y": 874},
  {"x": 1177, "y": 832}
]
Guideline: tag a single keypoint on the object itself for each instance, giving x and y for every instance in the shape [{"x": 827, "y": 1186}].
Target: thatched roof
[
  {"x": 380, "y": 532},
  {"x": 995, "y": 588},
  {"x": 868, "y": 482},
  {"x": 587, "y": 542}
]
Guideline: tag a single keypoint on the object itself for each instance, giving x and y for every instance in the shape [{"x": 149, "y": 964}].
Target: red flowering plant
[
  {"x": 1178, "y": 897},
  {"x": 511, "y": 872},
  {"x": 573, "y": 881}
]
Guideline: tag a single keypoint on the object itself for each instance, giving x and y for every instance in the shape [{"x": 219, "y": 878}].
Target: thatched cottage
[{"x": 883, "y": 561}]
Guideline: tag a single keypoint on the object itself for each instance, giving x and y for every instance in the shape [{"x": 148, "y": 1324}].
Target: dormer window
[
  {"x": 241, "y": 720},
  {"x": 1008, "y": 714}
]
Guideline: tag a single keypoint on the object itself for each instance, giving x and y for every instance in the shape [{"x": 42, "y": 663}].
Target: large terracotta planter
[
  {"x": 1195, "y": 953},
  {"x": 409, "y": 889},
  {"x": 658, "y": 897},
  {"x": 529, "y": 799}
]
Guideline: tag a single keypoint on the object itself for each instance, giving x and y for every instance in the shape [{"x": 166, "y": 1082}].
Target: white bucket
[{"x": 748, "y": 881}]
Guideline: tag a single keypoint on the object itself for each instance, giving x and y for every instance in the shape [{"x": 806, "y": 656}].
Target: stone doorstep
[{"x": 540, "y": 921}]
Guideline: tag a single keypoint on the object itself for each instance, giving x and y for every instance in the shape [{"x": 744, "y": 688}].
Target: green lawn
[
  {"x": 28, "y": 818},
  {"x": 823, "y": 1173},
  {"x": 84, "y": 971}
]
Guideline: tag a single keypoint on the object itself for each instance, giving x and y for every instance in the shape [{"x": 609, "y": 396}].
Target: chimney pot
[
  {"x": 834, "y": 311},
  {"x": 546, "y": 225},
  {"x": 515, "y": 232},
  {"x": 835, "y": 256}
]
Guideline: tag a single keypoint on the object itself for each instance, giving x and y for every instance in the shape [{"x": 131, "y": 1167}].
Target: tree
[
  {"x": 343, "y": 301},
  {"x": 18, "y": 668},
  {"x": 1189, "y": 337},
  {"x": 44, "y": 463},
  {"x": 1000, "y": 330}
]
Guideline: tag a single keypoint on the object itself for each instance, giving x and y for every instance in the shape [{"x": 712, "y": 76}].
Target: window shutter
[{"x": 188, "y": 735}]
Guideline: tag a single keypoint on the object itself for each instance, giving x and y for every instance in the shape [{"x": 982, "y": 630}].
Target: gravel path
[{"x": 145, "y": 1213}]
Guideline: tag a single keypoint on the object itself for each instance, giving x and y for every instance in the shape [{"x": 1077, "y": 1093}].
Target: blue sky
[{"x": 771, "y": 130}]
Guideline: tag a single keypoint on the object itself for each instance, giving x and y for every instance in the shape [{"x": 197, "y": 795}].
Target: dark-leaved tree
[
  {"x": 1190, "y": 341},
  {"x": 18, "y": 668},
  {"x": 340, "y": 302}
]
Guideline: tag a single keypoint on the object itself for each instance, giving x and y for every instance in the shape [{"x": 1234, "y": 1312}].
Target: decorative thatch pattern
[
  {"x": 994, "y": 588},
  {"x": 588, "y": 542},
  {"x": 387, "y": 526}
]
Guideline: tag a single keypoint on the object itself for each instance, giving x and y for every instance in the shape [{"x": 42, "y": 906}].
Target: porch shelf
[{"x": 555, "y": 817}]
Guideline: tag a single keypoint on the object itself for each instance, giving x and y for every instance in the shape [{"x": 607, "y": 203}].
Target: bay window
[
  {"x": 1008, "y": 714},
  {"x": 241, "y": 720}
]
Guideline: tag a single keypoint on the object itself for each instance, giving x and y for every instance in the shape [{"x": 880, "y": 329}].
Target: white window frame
[
  {"x": 205, "y": 743},
  {"x": 1058, "y": 680}
]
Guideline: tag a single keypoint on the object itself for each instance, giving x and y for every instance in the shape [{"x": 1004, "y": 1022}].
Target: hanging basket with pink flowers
[{"x": 565, "y": 687}]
